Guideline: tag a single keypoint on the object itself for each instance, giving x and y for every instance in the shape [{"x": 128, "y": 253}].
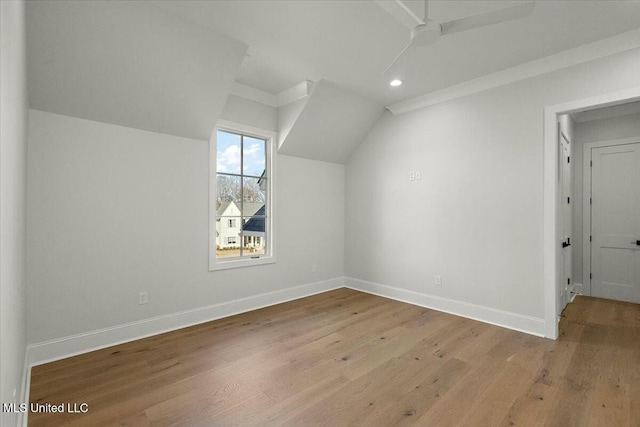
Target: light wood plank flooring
[{"x": 346, "y": 358}]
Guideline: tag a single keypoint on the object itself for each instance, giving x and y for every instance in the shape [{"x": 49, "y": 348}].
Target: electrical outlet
[
  {"x": 418, "y": 176},
  {"x": 437, "y": 280},
  {"x": 143, "y": 298},
  {"x": 314, "y": 268}
]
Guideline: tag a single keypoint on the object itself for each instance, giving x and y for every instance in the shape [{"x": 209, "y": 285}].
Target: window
[{"x": 241, "y": 197}]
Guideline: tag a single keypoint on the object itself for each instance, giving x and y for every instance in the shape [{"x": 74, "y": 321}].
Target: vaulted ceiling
[
  {"x": 169, "y": 66},
  {"x": 350, "y": 43}
]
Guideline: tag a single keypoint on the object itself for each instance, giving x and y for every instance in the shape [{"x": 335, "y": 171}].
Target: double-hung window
[{"x": 241, "y": 224}]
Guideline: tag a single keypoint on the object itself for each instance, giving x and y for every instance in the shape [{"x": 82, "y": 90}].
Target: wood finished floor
[{"x": 346, "y": 358}]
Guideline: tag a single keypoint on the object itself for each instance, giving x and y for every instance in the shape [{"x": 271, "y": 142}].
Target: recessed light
[{"x": 395, "y": 82}]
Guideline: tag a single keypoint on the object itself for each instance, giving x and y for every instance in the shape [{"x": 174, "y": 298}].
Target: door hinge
[
  {"x": 568, "y": 159},
  {"x": 590, "y": 201},
  {"x": 591, "y": 163},
  {"x": 568, "y": 280},
  {"x": 568, "y": 199},
  {"x": 590, "y": 276},
  {"x": 591, "y": 238}
]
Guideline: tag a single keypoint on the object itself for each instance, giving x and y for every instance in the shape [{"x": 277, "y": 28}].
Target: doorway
[{"x": 552, "y": 239}]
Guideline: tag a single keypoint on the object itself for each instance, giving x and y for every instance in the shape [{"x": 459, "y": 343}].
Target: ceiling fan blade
[
  {"x": 406, "y": 48},
  {"x": 401, "y": 12},
  {"x": 489, "y": 18}
]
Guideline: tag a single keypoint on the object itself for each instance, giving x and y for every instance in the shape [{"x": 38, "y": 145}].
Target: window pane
[
  {"x": 229, "y": 195},
  {"x": 228, "y": 236},
  {"x": 254, "y": 156},
  {"x": 253, "y": 232},
  {"x": 254, "y": 196},
  {"x": 228, "y": 152},
  {"x": 254, "y": 225}
]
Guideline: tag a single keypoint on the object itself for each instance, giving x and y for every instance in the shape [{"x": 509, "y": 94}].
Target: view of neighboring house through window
[{"x": 241, "y": 195}]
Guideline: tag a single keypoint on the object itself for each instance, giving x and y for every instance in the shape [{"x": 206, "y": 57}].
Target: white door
[
  {"x": 615, "y": 222},
  {"x": 565, "y": 219}
]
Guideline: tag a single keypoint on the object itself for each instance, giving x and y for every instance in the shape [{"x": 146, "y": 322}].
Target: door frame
[
  {"x": 566, "y": 257},
  {"x": 551, "y": 212},
  {"x": 586, "y": 206}
]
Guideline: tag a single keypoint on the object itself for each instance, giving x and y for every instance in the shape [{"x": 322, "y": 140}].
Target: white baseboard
[
  {"x": 61, "y": 348},
  {"x": 578, "y": 289},
  {"x": 527, "y": 324}
]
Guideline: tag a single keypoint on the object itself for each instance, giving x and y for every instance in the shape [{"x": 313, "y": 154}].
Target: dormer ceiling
[{"x": 329, "y": 124}]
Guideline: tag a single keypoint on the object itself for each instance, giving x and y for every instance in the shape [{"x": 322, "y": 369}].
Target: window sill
[{"x": 215, "y": 265}]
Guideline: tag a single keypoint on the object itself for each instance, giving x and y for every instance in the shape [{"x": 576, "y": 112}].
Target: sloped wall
[
  {"x": 328, "y": 125},
  {"x": 129, "y": 63}
]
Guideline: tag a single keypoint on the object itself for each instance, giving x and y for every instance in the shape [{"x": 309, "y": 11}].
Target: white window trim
[{"x": 270, "y": 150}]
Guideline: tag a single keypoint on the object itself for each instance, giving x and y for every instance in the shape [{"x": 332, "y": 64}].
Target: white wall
[
  {"x": 13, "y": 137},
  {"x": 593, "y": 131},
  {"x": 116, "y": 210},
  {"x": 476, "y": 216}
]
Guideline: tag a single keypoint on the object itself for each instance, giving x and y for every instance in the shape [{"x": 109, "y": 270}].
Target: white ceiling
[
  {"x": 169, "y": 66},
  {"x": 350, "y": 43},
  {"x": 130, "y": 64}
]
